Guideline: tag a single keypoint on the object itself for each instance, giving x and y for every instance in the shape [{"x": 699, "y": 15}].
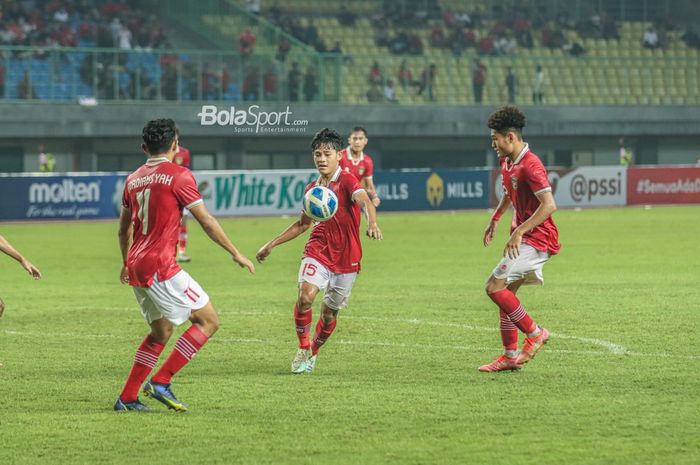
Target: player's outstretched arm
[
  {"x": 216, "y": 233},
  {"x": 368, "y": 184},
  {"x": 491, "y": 227},
  {"x": 373, "y": 230},
  {"x": 7, "y": 248},
  {"x": 544, "y": 211},
  {"x": 293, "y": 230},
  {"x": 124, "y": 234}
]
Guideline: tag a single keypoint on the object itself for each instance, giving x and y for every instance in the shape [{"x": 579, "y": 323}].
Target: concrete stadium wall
[{"x": 108, "y": 136}]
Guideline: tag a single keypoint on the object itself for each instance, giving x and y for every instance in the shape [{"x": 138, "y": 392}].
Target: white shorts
[
  {"x": 174, "y": 299},
  {"x": 528, "y": 266},
  {"x": 336, "y": 287}
]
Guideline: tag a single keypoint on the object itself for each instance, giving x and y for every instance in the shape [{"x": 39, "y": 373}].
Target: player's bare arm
[
  {"x": 368, "y": 184},
  {"x": 216, "y": 233},
  {"x": 293, "y": 231},
  {"x": 373, "y": 230},
  {"x": 125, "y": 228},
  {"x": 544, "y": 211},
  {"x": 503, "y": 205},
  {"x": 7, "y": 249}
]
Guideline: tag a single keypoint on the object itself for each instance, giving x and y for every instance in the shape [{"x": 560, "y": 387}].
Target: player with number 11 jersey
[
  {"x": 171, "y": 187},
  {"x": 149, "y": 225}
]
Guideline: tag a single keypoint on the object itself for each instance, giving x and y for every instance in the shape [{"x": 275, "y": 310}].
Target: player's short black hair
[
  {"x": 507, "y": 118},
  {"x": 158, "y": 135},
  {"x": 327, "y": 136},
  {"x": 358, "y": 129}
]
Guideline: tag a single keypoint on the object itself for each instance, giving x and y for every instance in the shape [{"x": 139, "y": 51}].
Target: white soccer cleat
[
  {"x": 300, "y": 360},
  {"x": 310, "y": 363}
]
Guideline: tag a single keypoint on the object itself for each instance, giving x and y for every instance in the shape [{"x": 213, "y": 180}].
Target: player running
[
  {"x": 182, "y": 158},
  {"x": 6, "y": 248},
  {"x": 354, "y": 160},
  {"x": 333, "y": 252},
  {"x": 152, "y": 202},
  {"x": 533, "y": 238}
]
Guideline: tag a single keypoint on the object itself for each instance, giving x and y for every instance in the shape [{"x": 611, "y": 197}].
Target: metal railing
[
  {"x": 64, "y": 74},
  {"x": 108, "y": 75}
]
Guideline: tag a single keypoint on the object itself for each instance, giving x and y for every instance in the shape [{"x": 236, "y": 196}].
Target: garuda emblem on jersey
[
  {"x": 178, "y": 160},
  {"x": 514, "y": 183},
  {"x": 361, "y": 170}
]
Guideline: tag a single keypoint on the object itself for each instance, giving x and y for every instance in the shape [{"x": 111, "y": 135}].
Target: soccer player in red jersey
[
  {"x": 354, "y": 160},
  {"x": 6, "y": 248},
  {"x": 152, "y": 203},
  {"x": 333, "y": 252},
  {"x": 182, "y": 158},
  {"x": 533, "y": 238}
]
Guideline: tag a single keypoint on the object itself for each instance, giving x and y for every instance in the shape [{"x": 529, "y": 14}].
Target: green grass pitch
[{"x": 397, "y": 383}]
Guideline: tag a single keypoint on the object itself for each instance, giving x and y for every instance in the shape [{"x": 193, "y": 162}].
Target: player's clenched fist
[{"x": 263, "y": 253}]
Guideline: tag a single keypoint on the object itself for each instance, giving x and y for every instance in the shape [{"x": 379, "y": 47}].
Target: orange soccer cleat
[
  {"x": 501, "y": 363},
  {"x": 532, "y": 345}
]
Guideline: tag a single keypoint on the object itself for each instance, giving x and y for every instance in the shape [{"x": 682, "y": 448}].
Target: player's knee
[
  {"x": 162, "y": 334},
  {"x": 2, "y": 307},
  {"x": 328, "y": 315},
  {"x": 213, "y": 324},
  {"x": 306, "y": 300},
  {"x": 207, "y": 319},
  {"x": 493, "y": 286}
]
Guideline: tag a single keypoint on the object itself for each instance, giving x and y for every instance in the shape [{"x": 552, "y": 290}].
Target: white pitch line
[
  {"x": 611, "y": 347},
  {"x": 340, "y": 341},
  {"x": 614, "y": 348}
]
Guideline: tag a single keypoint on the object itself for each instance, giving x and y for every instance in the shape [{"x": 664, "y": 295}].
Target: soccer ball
[{"x": 320, "y": 203}]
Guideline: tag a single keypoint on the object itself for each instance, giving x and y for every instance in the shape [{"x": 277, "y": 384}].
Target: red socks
[
  {"x": 509, "y": 332},
  {"x": 302, "y": 322},
  {"x": 321, "y": 335},
  {"x": 510, "y": 304},
  {"x": 182, "y": 240},
  {"x": 146, "y": 358},
  {"x": 185, "y": 349}
]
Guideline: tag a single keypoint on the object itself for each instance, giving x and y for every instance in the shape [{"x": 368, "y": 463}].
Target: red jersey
[
  {"x": 336, "y": 243},
  {"x": 182, "y": 158},
  {"x": 361, "y": 169},
  {"x": 155, "y": 194},
  {"x": 523, "y": 179}
]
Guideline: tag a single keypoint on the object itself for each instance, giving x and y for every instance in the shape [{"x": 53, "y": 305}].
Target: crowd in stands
[
  {"x": 73, "y": 23},
  {"x": 122, "y": 24}
]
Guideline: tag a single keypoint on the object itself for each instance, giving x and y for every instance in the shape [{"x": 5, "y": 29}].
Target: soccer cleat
[
  {"x": 163, "y": 394},
  {"x": 532, "y": 345},
  {"x": 310, "y": 363},
  {"x": 501, "y": 363},
  {"x": 182, "y": 258},
  {"x": 300, "y": 361},
  {"x": 121, "y": 406}
]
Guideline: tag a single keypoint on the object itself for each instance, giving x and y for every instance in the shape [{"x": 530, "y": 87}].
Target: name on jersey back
[{"x": 159, "y": 178}]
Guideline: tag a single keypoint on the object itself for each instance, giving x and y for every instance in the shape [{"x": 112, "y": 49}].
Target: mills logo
[{"x": 435, "y": 190}]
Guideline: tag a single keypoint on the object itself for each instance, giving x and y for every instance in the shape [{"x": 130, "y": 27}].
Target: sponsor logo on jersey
[
  {"x": 435, "y": 190},
  {"x": 514, "y": 183}
]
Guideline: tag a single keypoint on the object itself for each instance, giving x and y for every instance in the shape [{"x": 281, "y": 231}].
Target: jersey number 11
[{"x": 142, "y": 199}]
